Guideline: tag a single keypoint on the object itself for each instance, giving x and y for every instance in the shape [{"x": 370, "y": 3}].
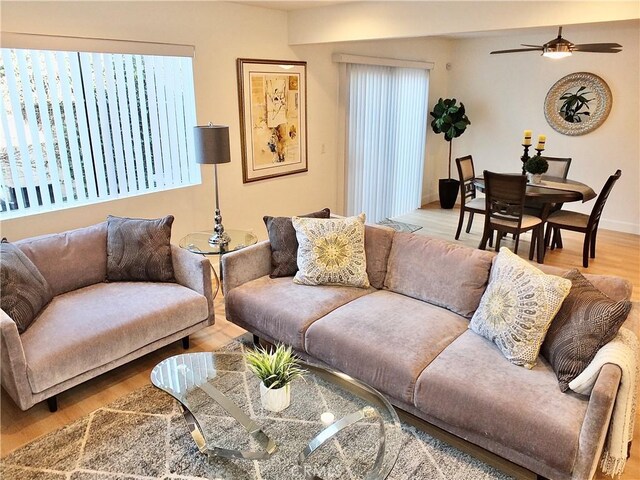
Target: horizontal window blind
[{"x": 80, "y": 127}]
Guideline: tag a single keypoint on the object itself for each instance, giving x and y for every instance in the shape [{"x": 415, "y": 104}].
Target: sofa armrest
[
  {"x": 14, "y": 363},
  {"x": 245, "y": 265},
  {"x": 193, "y": 271},
  {"x": 596, "y": 421}
]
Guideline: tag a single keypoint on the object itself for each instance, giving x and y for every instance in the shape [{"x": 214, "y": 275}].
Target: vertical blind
[
  {"x": 81, "y": 127},
  {"x": 386, "y": 131}
]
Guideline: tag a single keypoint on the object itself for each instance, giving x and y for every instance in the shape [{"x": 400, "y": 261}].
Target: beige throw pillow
[
  {"x": 331, "y": 251},
  {"x": 517, "y": 307}
]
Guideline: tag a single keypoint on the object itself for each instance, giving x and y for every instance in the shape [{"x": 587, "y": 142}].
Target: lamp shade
[{"x": 212, "y": 144}]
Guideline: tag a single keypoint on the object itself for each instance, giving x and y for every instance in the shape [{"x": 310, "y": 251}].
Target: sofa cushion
[
  {"x": 377, "y": 246},
  {"x": 284, "y": 245},
  {"x": 95, "y": 325},
  {"x": 70, "y": 260},
  {"x": 472, "y": 387},
  {"x": 439, "y": 272},
  {"x": 139, "y": 249},
  {"x": 517, "y": 307},
  {"x": 586, "y": 321},
  {"x": 24, "y": 290},
  {"x": 283, "y": 310},
  {"x": 384, "y": 339},
  {"x": 331, "y": 251}
]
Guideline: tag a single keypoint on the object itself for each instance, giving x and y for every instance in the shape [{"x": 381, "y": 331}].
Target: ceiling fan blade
[
  {"x": 527, "y": 45},
  {"x": 583, "y": 46},
  {"x": 539, "y": 49},
  {"x": 605, "y": 50}
]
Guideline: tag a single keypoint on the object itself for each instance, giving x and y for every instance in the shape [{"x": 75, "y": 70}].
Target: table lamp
[{"x": 212, "y": 148}]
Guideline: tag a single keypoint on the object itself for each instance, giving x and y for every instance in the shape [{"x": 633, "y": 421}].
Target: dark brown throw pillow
[
  {"x": 284, "y": 245},
  {"x": 139, "y": 249},
  {"x": 587, "y": 320},
  {"x": 25, "y": 291}
]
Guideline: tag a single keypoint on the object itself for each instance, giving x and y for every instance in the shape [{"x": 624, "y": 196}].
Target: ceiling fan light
[
  {"x": 556, "y": 55},
  {"x": 559, "y": 50}
]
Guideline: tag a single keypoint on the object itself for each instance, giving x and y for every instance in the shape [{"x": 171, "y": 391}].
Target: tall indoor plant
[{"x": 451, "y": 120}]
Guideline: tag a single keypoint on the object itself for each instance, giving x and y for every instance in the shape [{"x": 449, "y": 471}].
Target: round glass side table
[{"x": 198, "y": 242}]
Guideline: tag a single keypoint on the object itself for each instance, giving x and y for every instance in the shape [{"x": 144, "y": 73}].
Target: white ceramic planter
[
  {"x": 275, "y": 400},
  {"x": 535, "y": 178}
]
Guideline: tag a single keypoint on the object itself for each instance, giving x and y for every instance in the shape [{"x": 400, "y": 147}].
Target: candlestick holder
[
  {"x": 539, "y": 150},
  {"x": 525, "y": 157}
]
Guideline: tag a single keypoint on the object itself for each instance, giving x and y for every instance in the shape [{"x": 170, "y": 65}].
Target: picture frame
[
  {"x": 578, "y": 103},
  {"x": 272, "y": 96}
]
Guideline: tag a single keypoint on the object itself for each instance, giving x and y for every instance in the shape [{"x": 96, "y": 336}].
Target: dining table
[{"x": 549, "y": 195}]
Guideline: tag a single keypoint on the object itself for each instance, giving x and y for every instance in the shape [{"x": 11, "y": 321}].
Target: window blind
[
  {"x": 80, "y": 127},
  {"x": 386, "y": 132}
]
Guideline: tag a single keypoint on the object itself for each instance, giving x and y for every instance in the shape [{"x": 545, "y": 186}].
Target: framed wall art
[
  {"x": 577, "y": 103},
  {"x": 273, "y": 117}
]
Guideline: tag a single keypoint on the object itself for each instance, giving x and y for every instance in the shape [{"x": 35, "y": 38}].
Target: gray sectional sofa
[
  {"x": 408, "y": 337},
  {"x": 92, "y": 326}
]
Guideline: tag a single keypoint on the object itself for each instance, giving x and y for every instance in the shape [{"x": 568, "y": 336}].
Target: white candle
[
  {"x": 527, "y": 137},
  {"x": 327, "y": 418}
]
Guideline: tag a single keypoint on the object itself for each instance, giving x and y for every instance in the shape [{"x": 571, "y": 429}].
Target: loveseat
[
  {"x": 407, "y": 336},
  {"x": 92, "y": 326}
]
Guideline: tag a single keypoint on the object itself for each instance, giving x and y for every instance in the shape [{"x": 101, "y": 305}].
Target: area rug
[
  {"x": 144, "y": 436},
  {"x": 400, "y": 226}
]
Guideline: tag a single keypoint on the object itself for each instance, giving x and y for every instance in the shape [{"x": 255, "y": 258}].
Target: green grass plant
[{"x": 276, "y": 367}]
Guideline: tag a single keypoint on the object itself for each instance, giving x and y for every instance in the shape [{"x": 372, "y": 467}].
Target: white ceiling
[{"x": 290, "y": 5}]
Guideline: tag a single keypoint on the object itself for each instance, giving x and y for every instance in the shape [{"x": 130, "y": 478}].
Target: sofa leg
[
  {"x": 52, "y": 402},
  {"x": 185, "y": 342},
  {"x": 256, "y": 341}
]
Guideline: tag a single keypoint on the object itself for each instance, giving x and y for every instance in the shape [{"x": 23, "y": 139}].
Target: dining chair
[
  {"x": 505, "y": 196},
  {"x": 468, "y": 200},
  {"x": 580, "y": 222},
  {"x": 558, "y": 167}
]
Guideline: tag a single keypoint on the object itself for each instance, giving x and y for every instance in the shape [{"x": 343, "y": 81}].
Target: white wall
[
  {"x": 221, "y": 33},
  {"x": 504, "y": 95}
]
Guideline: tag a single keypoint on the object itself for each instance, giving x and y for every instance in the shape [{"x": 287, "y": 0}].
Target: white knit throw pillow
[
  {"x": 517, "y": 307},
  {"x": 331, "y": 251}
]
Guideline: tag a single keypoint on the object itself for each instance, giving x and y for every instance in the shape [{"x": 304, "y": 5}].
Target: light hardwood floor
[{"x": 617, "y": 254}]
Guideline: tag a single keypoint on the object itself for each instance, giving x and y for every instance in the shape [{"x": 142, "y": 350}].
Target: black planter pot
[{"x": 448, "y": 190}]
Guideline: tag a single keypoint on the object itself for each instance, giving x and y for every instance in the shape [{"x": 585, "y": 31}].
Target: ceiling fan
[{"x": 560, "y": 47}]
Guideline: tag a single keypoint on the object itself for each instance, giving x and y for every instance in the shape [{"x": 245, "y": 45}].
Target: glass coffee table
[{"x": 335, "y": 427}]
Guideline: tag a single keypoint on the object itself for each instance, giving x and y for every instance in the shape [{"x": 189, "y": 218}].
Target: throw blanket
[{"x": 621, "y": 351}]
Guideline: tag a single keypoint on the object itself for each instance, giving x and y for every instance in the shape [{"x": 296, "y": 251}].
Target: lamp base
[{"x": 219, "y": 239}]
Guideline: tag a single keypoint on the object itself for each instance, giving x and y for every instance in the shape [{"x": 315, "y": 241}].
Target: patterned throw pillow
[
  {"x": 284, "y": 245},
  {"x": 331, "y": 251},
  {"x": 139, "y": 249},
  {"x": 587, "y": 321},
  {"x": 24, "y": 290},
  {"x": 517, "y": 307}
]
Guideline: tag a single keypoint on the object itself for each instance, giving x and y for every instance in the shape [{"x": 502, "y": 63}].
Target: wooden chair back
[
  {"x": 558, "y": 167},
  {"x": 505, "y": 195},
  {"x": 594, "y": 218},
  {"x": 466, "y": 174}
]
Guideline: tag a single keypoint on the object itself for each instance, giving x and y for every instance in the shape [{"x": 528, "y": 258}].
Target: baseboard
[{"x": 618, "y": 226}]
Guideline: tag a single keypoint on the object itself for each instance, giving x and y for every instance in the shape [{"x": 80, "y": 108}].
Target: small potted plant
[
  {"x": 276, "y": 369},
  {"x": 451, "y": 120},
  {"x": 535, "y": 167}
]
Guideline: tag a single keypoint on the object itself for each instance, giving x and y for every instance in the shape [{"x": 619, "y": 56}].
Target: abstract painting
[{"x": 273, "y": 117}]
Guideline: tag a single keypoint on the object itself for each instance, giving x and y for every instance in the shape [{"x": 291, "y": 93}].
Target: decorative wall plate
[{"x": 578, "y": 103}]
